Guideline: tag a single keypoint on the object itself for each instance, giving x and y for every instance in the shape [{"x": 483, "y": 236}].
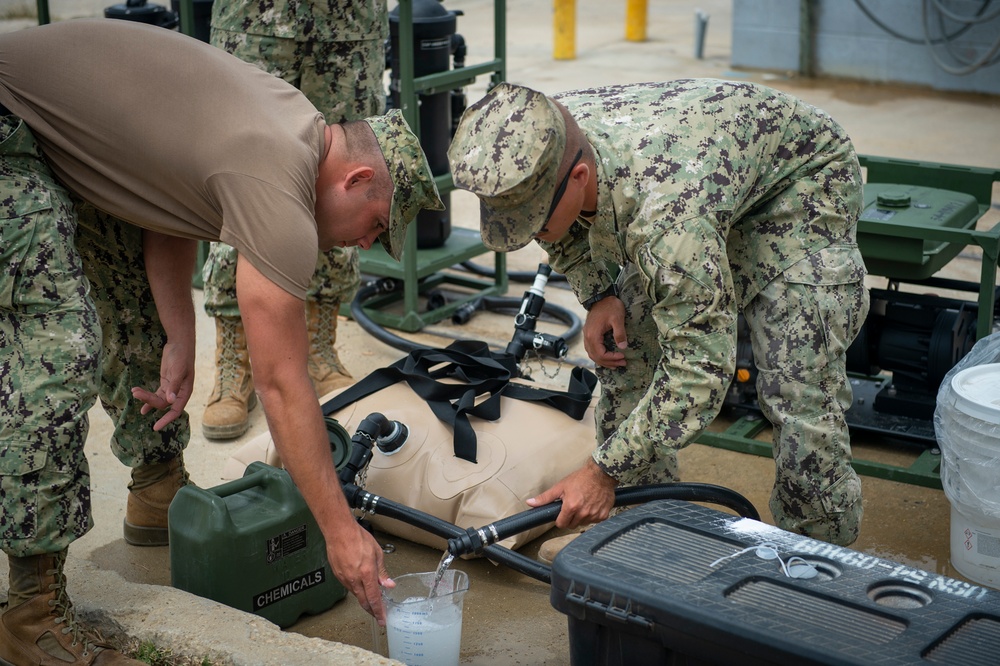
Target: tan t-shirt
[{"x": 173, "y": 135}]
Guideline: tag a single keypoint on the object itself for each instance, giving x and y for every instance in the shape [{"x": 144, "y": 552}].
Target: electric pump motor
[{"x": 917, "y": 338}]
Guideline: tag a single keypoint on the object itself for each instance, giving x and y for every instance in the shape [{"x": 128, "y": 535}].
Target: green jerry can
[{"x": 252, "y": 544}]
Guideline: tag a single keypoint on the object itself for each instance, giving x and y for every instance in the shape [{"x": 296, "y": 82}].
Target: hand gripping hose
[{"x": 475, "y": 540}]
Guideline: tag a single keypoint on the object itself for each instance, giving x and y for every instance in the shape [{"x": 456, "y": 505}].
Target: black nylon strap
[{"x": 479, "y": 371}]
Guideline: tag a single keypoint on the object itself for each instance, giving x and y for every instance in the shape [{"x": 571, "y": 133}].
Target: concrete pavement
[{"x": 508, "y": 618}]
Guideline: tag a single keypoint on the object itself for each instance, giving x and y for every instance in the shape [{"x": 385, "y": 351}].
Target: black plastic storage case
[{"x": 639, "y": 589}]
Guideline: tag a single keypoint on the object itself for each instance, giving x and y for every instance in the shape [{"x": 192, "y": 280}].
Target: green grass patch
[{"x": 148, "y": 653}]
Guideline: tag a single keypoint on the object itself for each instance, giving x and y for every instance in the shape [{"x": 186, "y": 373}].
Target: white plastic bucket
[
  {"x": 975, "y": 549},
  {"x": 969, "y": 436}
]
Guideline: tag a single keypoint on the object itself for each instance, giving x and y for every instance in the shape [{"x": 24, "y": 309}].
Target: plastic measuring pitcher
[{"x": 423, "y": 630}]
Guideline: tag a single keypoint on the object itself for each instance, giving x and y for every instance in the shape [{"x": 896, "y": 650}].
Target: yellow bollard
[
  {"x": 564, "y": 30},
  {"x": 635, "y": 20}
]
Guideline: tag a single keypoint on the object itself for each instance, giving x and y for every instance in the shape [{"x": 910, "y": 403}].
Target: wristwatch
[{"x": 600, "y": 296}]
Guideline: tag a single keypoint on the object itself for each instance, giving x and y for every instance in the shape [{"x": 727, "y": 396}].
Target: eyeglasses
[
  {"x": 560, "y": 191},
  {"x": 795, "y": 567}
]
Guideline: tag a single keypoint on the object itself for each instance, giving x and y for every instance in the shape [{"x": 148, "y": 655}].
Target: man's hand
[
  {"x": 607, "y": 316},
  {"x": 169, "y": 264},
  {"x": 357, "y": 562},
  {"x": 176, "y": 385},
  {"x": 587, "y": 495}
]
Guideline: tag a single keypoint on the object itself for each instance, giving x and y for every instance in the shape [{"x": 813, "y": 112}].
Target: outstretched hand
[
  {"x": 176, "y": 385},
  {"x": 358, "y": 563},
  {"x": 587, "y": 495}
]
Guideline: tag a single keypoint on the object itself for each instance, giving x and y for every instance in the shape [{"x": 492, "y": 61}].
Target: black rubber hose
[
  {"x": 513, "y": 276},
  {"x": 493, "y": 303},
  {"x": 461, "y": 542},
  {"x": 513, "y": 305},
  {"x": 361, "y": 499},
  {"x": 474, "y": 540},
  {"x": 522, "y": 564},
  {"x": 369, "y": 290}
]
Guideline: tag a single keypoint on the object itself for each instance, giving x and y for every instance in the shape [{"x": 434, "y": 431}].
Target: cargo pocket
[
  {"x": 20, "y": 467},
  {"x": 833, "y": 280},
  {"x": 19, "y": 202},
  {"x": 834, "y": 264}
]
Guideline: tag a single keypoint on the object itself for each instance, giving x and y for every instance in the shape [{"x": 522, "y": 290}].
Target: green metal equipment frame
[
  {"x": 421, "y": 270},
  {"x": 974, "y": 181},
  {"x": 978, "y": 182},
  {"x": 924, "y": 471}
]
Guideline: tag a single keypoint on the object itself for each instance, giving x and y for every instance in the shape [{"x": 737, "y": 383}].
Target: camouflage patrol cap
[
  {"x": 413, "y": 187},
  {"x": 507, "y": 150}
]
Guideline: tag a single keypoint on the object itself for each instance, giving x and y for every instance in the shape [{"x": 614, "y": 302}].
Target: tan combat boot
[
  {"x": 150, "y": 492},
  {"x": 39, "y": 625},
  {"x": 325, "y": 369},
  {"x": 227, "y": 413}
]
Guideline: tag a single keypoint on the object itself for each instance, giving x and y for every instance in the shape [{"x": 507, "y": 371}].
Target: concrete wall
[{"x": 847, "y": 44}]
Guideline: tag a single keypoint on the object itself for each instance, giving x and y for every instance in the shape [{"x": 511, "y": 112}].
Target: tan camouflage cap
[
  {"x": 413, "y": 187},
  {"x": 507, "y": 150}
]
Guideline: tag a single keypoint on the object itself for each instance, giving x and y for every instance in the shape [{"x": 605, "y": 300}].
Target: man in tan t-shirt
[{"x": 121, "y": 146}]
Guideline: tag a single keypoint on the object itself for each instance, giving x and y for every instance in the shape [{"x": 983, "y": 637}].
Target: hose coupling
[
  {"x": 474, "y": 541},
  {"x": 383, "y": 286},
  {"x": 367, "y": 503},
  {"x": 464, "y": 313},
  {"x": 391, "y": 442}
]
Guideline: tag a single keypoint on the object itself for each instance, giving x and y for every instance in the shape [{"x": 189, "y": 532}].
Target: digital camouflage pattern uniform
[
  {"x": 715, "y": 199},
  {"x": 334, "y": 52},
  {"x": 70, "y": 275}
]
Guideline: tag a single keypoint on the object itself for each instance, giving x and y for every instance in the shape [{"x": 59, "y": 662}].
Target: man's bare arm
[
  {"x": 169, "y": 266},
  {"x": 276, "y": 337}
]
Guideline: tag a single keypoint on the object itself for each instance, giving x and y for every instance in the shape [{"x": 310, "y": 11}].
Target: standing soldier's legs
[
  {"x": 50, "y": 336},
  {"x": 342, "y": 79},
  {"x": 133, "y": 342},
  {"x": 801, "y": 326},
  {"x": 227, "y": 414},
  {"x": 335, "y": 281}
]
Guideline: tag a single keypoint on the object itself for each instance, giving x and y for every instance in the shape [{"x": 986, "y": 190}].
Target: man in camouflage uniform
[
  {"x": 334, "y": 52},
  {"x": 104, "y": 198},
  {"x": 672, "y": 208}
]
